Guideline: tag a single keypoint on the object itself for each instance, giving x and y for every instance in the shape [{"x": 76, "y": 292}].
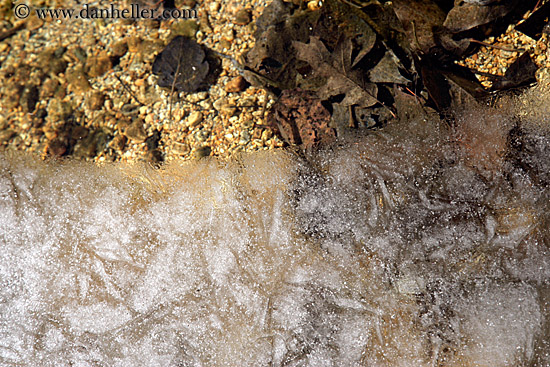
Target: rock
[
  {"x": 189, "y": 3},
  {"x": 194, "y": 119},
  {"x": 237, "y": 84},
  {"x": 136, "y": 131},
  {"x": 134, "y": 43},
  {"x": 95, "y": 101},
  {"x": 187, "y": 28},
  {"x": 6, "y": 135},
  {"x": 58, "y": 111},
  {"x": 118, "y": 143},
  {"x": 202, "y": 152},
  {"x": 78, "y": 81},
  {"x": 154, "y": 157},
  {"x": 242, "y": 17},
  {"x": 245, "y": 137},
  {"x": 152, "y": 142},
  {"x": 98, "y": 65},
  {"x": 225, "y": 44},
  {"x": 79, "y": 132},
  {"x": 12, "y": 94},
  {"x": 119, "y": 49},
  {"x": 180, "y": 148},
  {"x": 57, "y": 147},
  {"x": 225, "y": 108},
  {"x": 29, "y": 98},
  {"x": 214, "y": 7},
  {"x": 50, "y": 63},
  {"x": 49, "y": 87}
]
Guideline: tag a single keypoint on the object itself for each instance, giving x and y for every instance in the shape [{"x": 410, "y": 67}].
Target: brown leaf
[
  {"x": 300, "y": 118},
  {"x": 387, "y": 70},
  {"x": 419, "y": 18},
  {"x": 336, "y": 67},
  {"x": 467, "y": 15}
]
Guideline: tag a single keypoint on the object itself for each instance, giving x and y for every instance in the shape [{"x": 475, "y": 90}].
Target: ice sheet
[{"x": 413, "y": 246}]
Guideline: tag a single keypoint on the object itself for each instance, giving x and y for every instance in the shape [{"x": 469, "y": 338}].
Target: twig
[
  {"x": 172, "y": 88},
  {"x": 128, "y": 90},
  {"x": 495, "y": 46}
]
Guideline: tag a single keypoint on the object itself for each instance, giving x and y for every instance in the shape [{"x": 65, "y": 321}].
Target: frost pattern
[{"x": 398, "y": 249}]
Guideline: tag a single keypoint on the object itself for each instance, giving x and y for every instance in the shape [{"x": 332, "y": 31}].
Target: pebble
[
  {"x": 118, "y": 143},
  {"x": 98, "y": 65},
  {"x": 202, "y": 152},
  {"x": 136, "y": 131},
  {"x": 48, "y": 88},
  {"x": 119, "y": 49},
  {"x": 181, "y": 148},
  {"x": 214, "y": 7},
  {"x": 6, "y": 135},
  {"x": 77, "y": 81},
  {"x": 243, "y": 17},
  {"x": 237, "y": 84},
  {"x": 134, "y": 43},
  {"x": 225, "y": 108},
  {"x": 96, "y": 100},
  {"x": 58, "y": 110},
  {"x": 29, "y": 98},
  {"x": 187, "y": 28},
  {"x": 194, "y": 119}
]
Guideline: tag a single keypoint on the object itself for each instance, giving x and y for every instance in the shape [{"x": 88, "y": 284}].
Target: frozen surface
[{"x": 414, "y": 246}]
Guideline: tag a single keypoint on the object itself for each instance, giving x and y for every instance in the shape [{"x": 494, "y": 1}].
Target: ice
[{"x": 418, "y": 245}]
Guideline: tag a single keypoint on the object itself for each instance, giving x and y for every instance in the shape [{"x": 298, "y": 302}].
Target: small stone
[
  {"x": 214, "y": 7},
  {"x": 225, "y": 108},
  {"x": 118, "y": 143},
  {"x": 314, "y": 5},
  {"x": 237, "y": 84},
  {"x": 154, "y": 157},
  {"x": 202, "y": 152},
  {"x": 194, "y": 119},
  {"x": 49, "y": 87},
  {"x": 180, "y": 148},
  {"x": 189, "y": 3},
  {"x": 95, "y": 101},
  {"x": 29, "y": 98},
  {"x": 49, "y": 63},
  {"x": 228, "y": 110},
  {"x": 136, "y": 131},
  {"x": 98, "y": 65},
  {"x": 187, "y": 28},
  {"x": 119, "y": 49},
  {"x": 6, "y": 135},
  {"x": 225, "y": 44},
  {"x": 266, "y": 135},
  {"x": 257, "y": 134},
  {"x": 78, "y": 81},
  {"x": 59, "y": 111},
  {"x": 134, "y": 43},
  {"x": 245, "y": 137},
  {"x": 243, "y": 17},
  {"x": 57, "y": 147},
  {"x": 79, "y": 132}
]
